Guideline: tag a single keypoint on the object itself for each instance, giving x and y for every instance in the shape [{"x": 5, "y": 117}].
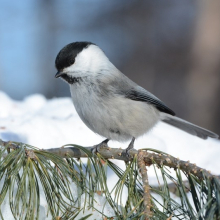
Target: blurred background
[{"x": 171, "y": 48}]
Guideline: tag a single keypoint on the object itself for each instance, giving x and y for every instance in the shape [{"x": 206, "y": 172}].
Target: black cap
[{"x": 66, "y": 57}]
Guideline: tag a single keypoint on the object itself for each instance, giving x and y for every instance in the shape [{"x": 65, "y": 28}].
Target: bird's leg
[
  {"x": 130, "y": 146},
  {"x": 97, "y": 147}
]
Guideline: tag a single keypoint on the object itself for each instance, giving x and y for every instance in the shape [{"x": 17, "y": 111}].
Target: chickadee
[{"x": 108, "y": 102}]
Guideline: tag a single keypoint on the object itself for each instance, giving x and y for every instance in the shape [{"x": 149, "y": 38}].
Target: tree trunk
[{"x": 204, "y": 77}]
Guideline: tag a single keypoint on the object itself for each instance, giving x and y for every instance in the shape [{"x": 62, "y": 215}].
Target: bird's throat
[{"x": 71, "y": 80}]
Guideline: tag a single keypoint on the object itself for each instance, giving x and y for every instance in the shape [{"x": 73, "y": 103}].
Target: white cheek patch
[{"x": 91, "y": 59}]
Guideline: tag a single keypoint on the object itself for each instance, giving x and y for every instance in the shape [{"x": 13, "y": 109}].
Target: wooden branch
[
  {"x": 172, "y": 162},
  {"x": 120, "y": 154},
  {"x": 107, "y": 153},
  {"x": 147, "y": 197}
]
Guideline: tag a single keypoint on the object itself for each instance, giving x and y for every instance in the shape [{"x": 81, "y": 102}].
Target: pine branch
[
  {"x": 147, "y": 196},
  {"x": 203, "y": 186},
  {"x": 158, "y": 157},
  {"x": 149, "y": 158}
]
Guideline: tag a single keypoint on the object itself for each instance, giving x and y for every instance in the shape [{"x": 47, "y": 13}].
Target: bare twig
[{"x": 147, "y": 196}]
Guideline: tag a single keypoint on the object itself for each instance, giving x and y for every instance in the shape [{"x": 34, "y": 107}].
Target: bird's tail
[{"x": 187, "y": 126}]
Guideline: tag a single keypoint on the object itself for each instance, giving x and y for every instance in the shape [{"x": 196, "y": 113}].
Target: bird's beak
[{"x": 58, "y": 74}]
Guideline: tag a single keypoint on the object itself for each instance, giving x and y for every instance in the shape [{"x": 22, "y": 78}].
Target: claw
[
  {"x": 130, "y": 147},
  {"x": 97, "y": 147}
]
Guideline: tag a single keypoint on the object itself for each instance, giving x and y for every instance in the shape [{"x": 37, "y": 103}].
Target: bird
[{"x": 108, "y": 102}]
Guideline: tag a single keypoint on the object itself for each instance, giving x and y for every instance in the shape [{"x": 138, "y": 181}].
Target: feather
[
  {"x": 144, "y": 96},
  {"x": 188, "y": 127}
]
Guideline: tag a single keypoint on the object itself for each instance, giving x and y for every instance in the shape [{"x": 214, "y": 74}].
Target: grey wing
[
  {"x": 140, "y": 94},
  {"x": 129, "y": 89}
]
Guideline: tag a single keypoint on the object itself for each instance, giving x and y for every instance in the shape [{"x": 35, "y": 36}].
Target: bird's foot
[
  {"x": 103, "y": 144},
  {"x": 130, "y": 147}
]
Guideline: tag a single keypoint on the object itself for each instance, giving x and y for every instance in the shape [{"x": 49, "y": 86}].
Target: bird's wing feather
[
  {"x": 142, "y": 95},
  {"x": 129, "y": 89}
]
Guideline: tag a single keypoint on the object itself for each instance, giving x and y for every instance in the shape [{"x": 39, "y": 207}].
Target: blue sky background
[
  {"x": 25, "y": 38},
  {"x": 32, "y": 33}
]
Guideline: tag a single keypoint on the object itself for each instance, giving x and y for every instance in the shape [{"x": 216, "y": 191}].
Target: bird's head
[{"x": 80, "y": 59}]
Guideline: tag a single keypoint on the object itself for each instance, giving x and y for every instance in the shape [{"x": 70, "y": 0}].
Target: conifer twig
[
  {"x": 208, "y": 189},
  {"x": 146, "y": 187},
  {"x": 120, "y": 154}
]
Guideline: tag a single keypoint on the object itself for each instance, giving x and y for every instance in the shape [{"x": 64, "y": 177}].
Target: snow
[{"x": 53, "y": 123}]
